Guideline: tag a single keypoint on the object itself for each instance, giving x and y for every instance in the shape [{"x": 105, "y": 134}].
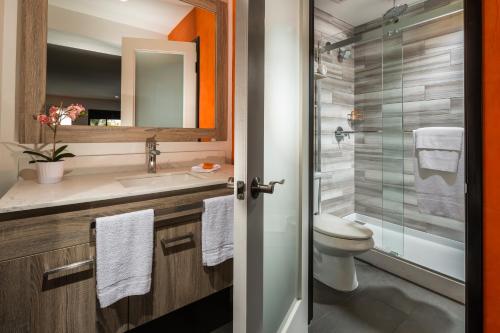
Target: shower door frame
[{"x": 474, "y": 163}]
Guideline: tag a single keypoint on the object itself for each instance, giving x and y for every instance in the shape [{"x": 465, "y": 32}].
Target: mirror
[{"x": 133, "y": 63}]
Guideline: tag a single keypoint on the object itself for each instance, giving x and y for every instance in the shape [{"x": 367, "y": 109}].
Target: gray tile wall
[{"x": 335, "y": 101}]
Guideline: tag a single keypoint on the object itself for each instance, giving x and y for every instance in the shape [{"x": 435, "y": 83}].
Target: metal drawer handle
[
  {"x": 176, "y": 241},
  {"x": 69, "y": 267}
]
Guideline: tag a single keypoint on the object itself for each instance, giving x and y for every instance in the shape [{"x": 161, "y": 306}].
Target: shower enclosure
[{"x": 383, "y": 80}]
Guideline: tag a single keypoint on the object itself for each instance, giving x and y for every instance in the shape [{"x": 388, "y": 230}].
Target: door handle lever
[{"x": 257, "y": 187}]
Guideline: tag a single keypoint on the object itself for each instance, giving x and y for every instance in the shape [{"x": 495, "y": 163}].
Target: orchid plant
[{"x": 53, "y": 120}]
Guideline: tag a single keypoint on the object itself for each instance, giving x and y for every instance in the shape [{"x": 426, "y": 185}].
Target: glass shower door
[{"x": 392, "y": 140}]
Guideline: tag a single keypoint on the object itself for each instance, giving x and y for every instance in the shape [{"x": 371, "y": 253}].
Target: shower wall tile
[
  {"x": 432, "y": 95},
  {"x": 336, "y": 100}
]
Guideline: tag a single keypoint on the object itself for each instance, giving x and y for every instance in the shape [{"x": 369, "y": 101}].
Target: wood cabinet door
[
  {"x": 34, "y": 301},
  {"x": 37, "y": 297},
  {"x": 179, "y": 277}
]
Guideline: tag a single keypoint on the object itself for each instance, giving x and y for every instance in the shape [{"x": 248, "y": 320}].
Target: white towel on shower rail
[
  {"x": 439, "y": 192},
  {"x": 439, "y": 148}
]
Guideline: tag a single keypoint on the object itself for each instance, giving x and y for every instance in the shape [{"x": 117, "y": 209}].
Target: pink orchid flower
[
  {"x": 43, "y": 119},
  {"x": 53, "y": 110}
]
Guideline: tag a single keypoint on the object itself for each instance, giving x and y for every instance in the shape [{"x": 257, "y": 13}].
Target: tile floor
[{"x": 384, "y": 303}]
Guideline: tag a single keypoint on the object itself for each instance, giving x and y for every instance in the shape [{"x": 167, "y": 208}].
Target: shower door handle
[{"x": 257, "y": 187}]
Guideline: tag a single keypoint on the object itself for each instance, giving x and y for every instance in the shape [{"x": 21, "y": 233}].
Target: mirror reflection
[{"x": 147, "y": 63}]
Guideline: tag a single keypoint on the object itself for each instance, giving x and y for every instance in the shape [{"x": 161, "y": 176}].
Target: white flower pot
[{"x": 49, "y": 172}]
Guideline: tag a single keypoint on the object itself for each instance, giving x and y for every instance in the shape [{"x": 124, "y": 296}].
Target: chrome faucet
[{"x": 151, "y": 153}]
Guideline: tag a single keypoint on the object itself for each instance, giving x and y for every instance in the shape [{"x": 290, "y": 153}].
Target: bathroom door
[
  {"x": 271, "y": 144},
  {"x": 157, "y": 75}
]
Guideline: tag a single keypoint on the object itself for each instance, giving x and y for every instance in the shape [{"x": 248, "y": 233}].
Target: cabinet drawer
[
  {"x": 179, "y": 277},
  {"x": 56, "y": 292}
]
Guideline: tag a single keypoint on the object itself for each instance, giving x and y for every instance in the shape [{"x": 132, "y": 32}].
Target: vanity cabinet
[{"x": 47, "y": 267}]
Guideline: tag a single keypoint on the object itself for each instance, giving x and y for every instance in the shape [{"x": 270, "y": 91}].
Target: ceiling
[
  {"x": 357, "y": 12},
  {"x": 159, "y": 16}
]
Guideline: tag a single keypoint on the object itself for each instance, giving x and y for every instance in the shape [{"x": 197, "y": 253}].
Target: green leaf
[
  {"x": 37, "y": 154},
  {"x": 60, "y": 150},
  {"x": 59, "y": 157}
]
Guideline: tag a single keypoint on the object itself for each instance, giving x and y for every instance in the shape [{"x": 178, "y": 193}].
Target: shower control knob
[{"x": 257, "y": 187}]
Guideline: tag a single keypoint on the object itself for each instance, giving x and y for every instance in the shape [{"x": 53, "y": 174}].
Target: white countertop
[{"x": 79, "y": 188}]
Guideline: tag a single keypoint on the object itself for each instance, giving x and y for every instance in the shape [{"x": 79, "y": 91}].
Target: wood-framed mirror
[{"x": 125, "y": 57}]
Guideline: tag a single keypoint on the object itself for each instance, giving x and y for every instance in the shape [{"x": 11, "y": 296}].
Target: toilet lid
[{"x": 340, "y": 228}]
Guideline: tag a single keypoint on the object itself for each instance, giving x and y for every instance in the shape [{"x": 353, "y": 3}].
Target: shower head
[{"x": 395, "y": 12}]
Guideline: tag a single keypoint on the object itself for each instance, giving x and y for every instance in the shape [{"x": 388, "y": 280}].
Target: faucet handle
[{"x": 151, "y": 143}]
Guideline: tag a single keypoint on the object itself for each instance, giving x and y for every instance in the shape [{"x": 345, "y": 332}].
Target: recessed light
[{"x": 123, "y": 0}]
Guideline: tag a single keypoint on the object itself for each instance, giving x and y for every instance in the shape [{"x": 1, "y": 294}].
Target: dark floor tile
[
  {"x": 392, "y": 296},
  {"x": 406, "y": 294},
  {"x": 384, "y": 303},
  {"x": 427, "y": 319},
  {"x": 432, "y": 319},
  {"x": 360, "y": 314}
]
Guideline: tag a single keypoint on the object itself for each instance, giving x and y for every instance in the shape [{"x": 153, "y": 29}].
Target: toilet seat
[{"x": 337, "y": 227}]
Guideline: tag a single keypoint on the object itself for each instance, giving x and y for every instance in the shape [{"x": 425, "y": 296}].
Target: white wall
[{"x": 8, "y": 155}]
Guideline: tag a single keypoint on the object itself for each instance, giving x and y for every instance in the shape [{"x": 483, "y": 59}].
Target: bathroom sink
[{"x": 160, "y": 180}]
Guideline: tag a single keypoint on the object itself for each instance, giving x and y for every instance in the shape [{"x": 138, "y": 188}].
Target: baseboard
[{"x": 428, "y": 279}]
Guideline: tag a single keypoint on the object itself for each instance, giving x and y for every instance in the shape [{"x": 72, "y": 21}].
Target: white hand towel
[
  {"x": 439, "y": 148},
  {"x": 440, "y": 193},
  {"x": 217, "y": 230},
  {"x": 124, "y": 246}
]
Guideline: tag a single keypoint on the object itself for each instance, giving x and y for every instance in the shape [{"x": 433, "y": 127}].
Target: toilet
[{"x": 336, "y": 242}]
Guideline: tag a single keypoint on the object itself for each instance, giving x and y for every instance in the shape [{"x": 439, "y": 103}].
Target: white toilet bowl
[{"x": 336, "y": 242}]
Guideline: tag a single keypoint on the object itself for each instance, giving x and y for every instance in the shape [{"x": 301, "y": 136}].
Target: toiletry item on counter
[
  {"x": 217, "y": 230},
  {"x": 124, "y": 255},
  {"x": 439, "y": 165},
  {"x": 206, "y": 167}
]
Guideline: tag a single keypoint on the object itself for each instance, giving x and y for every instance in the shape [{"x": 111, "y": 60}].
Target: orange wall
[
  {"x": 201, "y": 23},
  {"x": 491, "y": 136}
]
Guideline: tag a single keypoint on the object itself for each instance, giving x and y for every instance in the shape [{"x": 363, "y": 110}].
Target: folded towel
[
  {"x": 439, "y": 160},
  {"x": 217, "y": 230},
  {"x": 124, "y": 255},
  {"x": 199, "y": 168},
  {"x": 440, "y": 193},
  {"x": 438, "y": 148},
  {"x": 439, "y": 138}
]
